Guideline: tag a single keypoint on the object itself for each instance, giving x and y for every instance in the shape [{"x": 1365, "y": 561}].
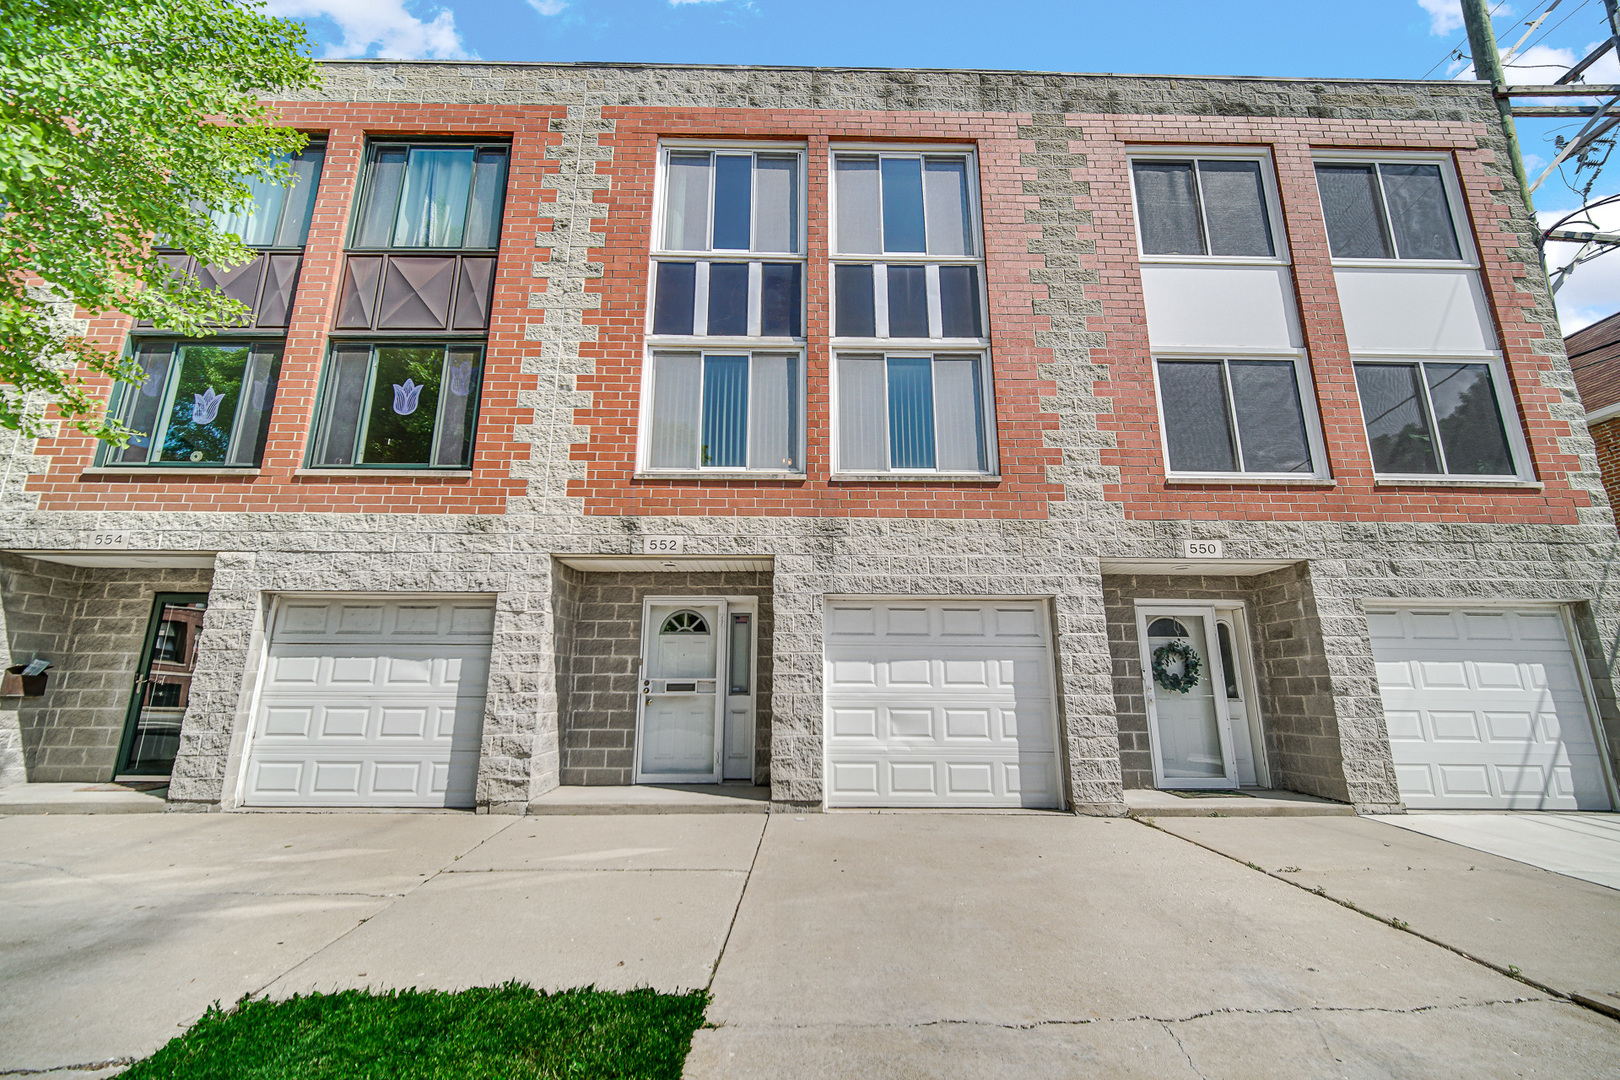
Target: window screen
[
  {"x": 1240, "y": 416},
  {"x": 1406, "y": 405},
  {"x": 1387, "y": 210}
]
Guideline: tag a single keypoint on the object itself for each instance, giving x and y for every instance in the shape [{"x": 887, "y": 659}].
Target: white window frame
[
  {"x": 1518, "y": 448},
  {"x": 881, "y": 261},
  {"x": 754, "y": 258},
  {"x": 700, "y": 341},
  {"x": 690, "y": 346},
  {"x": 1454, "y": 203},
  {"x": 933, "y": 351},
  {"x": 1307, "y": 403},
  {"x": 1268, "y": 184}
]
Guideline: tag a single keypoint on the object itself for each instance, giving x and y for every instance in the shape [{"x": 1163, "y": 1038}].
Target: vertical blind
[{"x": 911, "y": 412}]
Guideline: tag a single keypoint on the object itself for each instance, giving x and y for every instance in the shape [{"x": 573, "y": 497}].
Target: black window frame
[{"x": 319, "y": 431}]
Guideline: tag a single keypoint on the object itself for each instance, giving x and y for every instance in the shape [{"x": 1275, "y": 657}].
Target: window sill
[
  {"x": 1240, "y": 480},
  {"x": 384, "y": 474},
  {"x": 148, "y": 471},
  {"x": 915, "y": 478},
  {"x": 689, "y": 475},
  {"x": 1458, "y": 482}
]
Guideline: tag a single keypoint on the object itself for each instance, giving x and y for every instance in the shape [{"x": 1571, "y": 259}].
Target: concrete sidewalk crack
[
  {"x": 88, "y": 1066},
  {"x": 1170, "y": 1031},
  {"x": 390, "y": 902},
  {"x": 1400, "y": 925},
  {"x": 741, "y": 893}
]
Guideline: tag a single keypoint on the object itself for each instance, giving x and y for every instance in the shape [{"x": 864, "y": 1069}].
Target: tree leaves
[{"x": 121, "y": 121}]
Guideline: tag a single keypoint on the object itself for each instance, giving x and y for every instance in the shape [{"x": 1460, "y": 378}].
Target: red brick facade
[{"x": 1012, "y": 226}]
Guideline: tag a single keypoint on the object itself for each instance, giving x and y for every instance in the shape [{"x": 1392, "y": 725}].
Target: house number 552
[{"x": 663, "y": 545}]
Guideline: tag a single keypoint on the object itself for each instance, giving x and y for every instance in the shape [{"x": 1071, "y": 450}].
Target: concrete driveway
[{"x": 872, "y": 945}]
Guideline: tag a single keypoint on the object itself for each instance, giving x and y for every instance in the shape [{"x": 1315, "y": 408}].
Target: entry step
[
  {"x": 655, "y": 799},
  {"x": 1251, "y": 802}
]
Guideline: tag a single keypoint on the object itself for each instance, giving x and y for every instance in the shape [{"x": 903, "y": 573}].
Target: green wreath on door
[{"x": 1192, "y": 665}]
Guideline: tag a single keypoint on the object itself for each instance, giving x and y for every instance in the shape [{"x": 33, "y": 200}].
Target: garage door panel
[
  {"x": 939, "y": 703},
  {"x": 372, "y": 703},
  {"x": 1486, "y": 710}
]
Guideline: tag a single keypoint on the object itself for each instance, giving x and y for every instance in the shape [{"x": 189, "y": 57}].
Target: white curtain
[
  {"x": 773, "y": 424},
  {"x": 863, "y": 430},
  {"x": 677, "y": 397},
  {"x": 686, "y": 220},
  {"x": 858, "y": 211},
  {"x": 945, "y": 200},
  {"x": 776, "y": 203},
  {"x": 959, "y": 415},
  {"x": 433, "y": 210}
]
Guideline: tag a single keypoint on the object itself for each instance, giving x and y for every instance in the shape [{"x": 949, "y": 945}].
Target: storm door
[
  {"x": 1184, "y": 686},
  {"x": 162, "y": 685},
  {"x": 684, "y": 648}
]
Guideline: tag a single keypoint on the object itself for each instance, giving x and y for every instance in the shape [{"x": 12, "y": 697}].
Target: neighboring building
[
  {"x": 891, "y": 438},
  {"x": 1594, "y": 358}
]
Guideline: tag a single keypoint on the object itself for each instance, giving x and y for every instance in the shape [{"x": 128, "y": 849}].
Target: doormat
[{"x": 1207, "y": 794}]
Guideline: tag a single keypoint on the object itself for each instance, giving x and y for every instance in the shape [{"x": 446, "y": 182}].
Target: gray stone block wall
[
  {"x": 91, "y": 623},
  {"x": 599, "y": 678},
  {"x": 1331, "y": 684}
]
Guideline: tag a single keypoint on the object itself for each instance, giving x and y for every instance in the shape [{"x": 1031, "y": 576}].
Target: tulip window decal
[
  {"x": 406, "y": 396},
  {"x": 461, "y": 377},
  {"x": 205, "y": 406}
]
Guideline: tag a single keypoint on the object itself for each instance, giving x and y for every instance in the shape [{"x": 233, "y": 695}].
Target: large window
[
  {"x": 402, "y": 380},
  {"x": 1206, "y": 206},
  {"x": 1387, "y": 210},
  {"x": 911, "y": 341},
  {"x": 721, "y": 208},
  {"x": 726, "y": 411},
  {"x": 431, "y": 196},
  {"x": 399, "y": 406},
  {"x": 1435, "y": 418},
  {"x": 1236, "y": 416},
  {"x": 727, "y": 294},
  {"x": 277, "y": 215},
  {"x": 202, "y": 403},
  {"x": 925, "y": 413}
]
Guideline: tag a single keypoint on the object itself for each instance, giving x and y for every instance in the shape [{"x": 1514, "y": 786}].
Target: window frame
[
  {"x": 1269, "y": 191},
  {"x": 254, "y": 343},
  {"x": 691, "y": 347},
  {"x": 1455, "y": 205},
  {"x": 315, "y": 443},
  {"x": 991, "y": 449},
  {"x": 754, "y": 259},
  {"x": 1309, "y": 407},
  {"x": 362, "y": 190},
  {"x": 883, "y": 260},
  {"x": 1513, "y": 428}
]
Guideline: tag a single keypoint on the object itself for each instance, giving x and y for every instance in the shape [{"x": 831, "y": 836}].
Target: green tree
[{"x": 120, "y": 121}]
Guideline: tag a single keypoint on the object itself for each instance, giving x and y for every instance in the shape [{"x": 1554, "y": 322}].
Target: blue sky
[{"x": 1379, "y": 39}]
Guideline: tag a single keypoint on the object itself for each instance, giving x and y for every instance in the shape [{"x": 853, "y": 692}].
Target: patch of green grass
[{"x": 509, "y": 1032}]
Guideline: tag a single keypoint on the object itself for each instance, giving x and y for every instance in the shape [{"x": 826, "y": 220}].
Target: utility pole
[{"x": 1488, "y": 66}]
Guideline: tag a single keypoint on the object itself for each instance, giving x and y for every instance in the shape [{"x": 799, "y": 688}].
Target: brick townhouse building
[
  {"x": 1594, "y": 359},
  {"x": 889, "y": 438}
]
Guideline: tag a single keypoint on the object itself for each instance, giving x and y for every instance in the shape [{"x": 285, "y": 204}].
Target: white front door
[
  {"x": 682, "y": 703},
  {"x": 1184, "y": 685}
]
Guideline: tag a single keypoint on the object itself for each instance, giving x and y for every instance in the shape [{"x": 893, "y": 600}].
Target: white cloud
[
  {"x": 1444, "y": 15},
  {"x": 1592, "y": 292},
  {"x": 380, "y": 28},
  {"x": 548, "y": 7},
  {"x": 680, "y": 3}
]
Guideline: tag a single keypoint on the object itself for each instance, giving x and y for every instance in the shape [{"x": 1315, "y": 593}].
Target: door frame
[
  {"x": 143, "y": 671},
  {"x": 1205, "y": 611},
  {"x": 743, "y": 605},
  {"x": 1237, "y": 613},
  {"x": 722, "y": 657}
]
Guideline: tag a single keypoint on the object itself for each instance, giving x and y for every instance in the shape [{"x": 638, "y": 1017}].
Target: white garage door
[
  {"x": 1485, "y": 711},
  {"x": 371, "y": 702},
  {"x": 940, "y": 703}
]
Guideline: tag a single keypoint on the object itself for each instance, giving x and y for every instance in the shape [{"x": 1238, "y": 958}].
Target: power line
[
  {"x": 1508, "y": 61},
  {"x": 1454, "y": 50}
]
